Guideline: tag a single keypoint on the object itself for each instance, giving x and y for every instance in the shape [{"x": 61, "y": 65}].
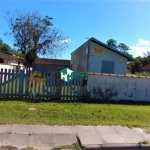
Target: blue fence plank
[
  {"x": 43, "y": 85},
  {"x": 70, "y": 89},
  {"x": 27, "y": 84},
  {"x": 51, "y": 85},
  {"x": 1, "y": 79},
  {"x": 16, "y": 79},
  {"x": 8, "y": 85},
  {"x": 12, "y": 85},
  {"x": 5, "y": 79}
]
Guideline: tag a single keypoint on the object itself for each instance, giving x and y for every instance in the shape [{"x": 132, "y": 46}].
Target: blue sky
[{"x": 126, "y": 21}]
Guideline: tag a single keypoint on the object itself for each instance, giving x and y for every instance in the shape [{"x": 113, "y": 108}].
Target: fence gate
[
  {"x": 41, "y": 85},
  {"x": 72, "y": 90},
  {"x": 25, "y": 84}
]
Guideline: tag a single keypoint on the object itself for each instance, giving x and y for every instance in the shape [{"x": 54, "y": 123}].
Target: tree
[
  {"x": 130, "y": 55},
  {"x": 136, "y": 65},
  {"x": 112, "y": 43},
  {"x": 33, "y": 35},
  {"x": 123, "y": 48},
  {"x": 146, "y": 58},
  {"x": 147, "y": 54},
  {"x": 5, "y": 47}
]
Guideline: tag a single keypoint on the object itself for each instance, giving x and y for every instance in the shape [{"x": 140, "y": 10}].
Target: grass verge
[
  {"x": 15, "y": 148},
  {"x": 144, "y": 142},
  {"x": 74, "y": 146},
  {"x": 51, "y": 113}
]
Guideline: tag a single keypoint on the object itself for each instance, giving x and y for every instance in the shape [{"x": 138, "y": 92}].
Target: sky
[{"x": 126, "y": 21}]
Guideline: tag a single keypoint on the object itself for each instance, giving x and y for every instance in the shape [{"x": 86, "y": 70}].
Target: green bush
[{"x": 143, "y": 74}]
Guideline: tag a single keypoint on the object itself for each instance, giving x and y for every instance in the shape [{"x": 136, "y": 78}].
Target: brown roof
[
  {"x": 52, "y": 61},
  {"x": 146, "y": 66}
]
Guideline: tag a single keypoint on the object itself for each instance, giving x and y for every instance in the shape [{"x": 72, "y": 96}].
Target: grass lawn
[{"x": 17, "y": 112}]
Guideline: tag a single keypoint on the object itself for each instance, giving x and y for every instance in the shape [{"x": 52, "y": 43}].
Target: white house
[
  {"x": 10, "y": 61},
  {"x": 95, "y": 56}
]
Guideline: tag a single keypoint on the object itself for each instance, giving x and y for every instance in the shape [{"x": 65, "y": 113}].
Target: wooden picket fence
[{"x": 38, "y": 85}]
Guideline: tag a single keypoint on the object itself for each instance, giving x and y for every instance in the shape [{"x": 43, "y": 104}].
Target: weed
[{"x": 144, "y": 142}]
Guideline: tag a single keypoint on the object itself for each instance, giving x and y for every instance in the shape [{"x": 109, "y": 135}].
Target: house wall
[
  {"x": 104, "y": 87},
  {"x": 10, "y": 62},
  {"x": 49, "y": 68},
  {"x": 79, "y": 58},
  {"x": 6, "y": 66},
  {"x": 3, "y": 66},
  {"x": 95, "y": 59},
  {"x": 5, "y": 56}
]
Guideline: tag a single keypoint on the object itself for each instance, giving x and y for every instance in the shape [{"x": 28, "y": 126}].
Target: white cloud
[
  {"x": 143, "y": 46},
  {"x": 65, "y": 41},
  {"x": 143, "y": 42}
]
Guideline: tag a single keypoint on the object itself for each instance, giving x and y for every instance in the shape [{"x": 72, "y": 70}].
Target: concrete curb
[{"x": 117, "y": 147}]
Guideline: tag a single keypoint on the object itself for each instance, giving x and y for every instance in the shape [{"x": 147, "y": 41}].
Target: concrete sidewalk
[{"x": 89, "y": 137}]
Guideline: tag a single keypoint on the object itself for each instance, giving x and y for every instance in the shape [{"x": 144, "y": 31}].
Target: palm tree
[
  {"x": 112, "y": 43},
  {"x": 123, "y": 48}
]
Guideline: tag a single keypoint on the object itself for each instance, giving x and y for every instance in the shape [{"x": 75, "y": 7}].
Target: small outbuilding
[
  {"x": 50, "y": 65},
  {"x": 95, "y": 56}
]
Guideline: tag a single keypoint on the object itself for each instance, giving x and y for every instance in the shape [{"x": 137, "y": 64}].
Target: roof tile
[
  {"x": 52, "y": 61},
  {"x": 146, "y": 66}
]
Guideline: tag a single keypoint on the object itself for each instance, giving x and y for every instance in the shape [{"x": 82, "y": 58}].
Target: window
[
  {"x": 108, "y": 67},
  {"x": 1, "y": 60}
]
